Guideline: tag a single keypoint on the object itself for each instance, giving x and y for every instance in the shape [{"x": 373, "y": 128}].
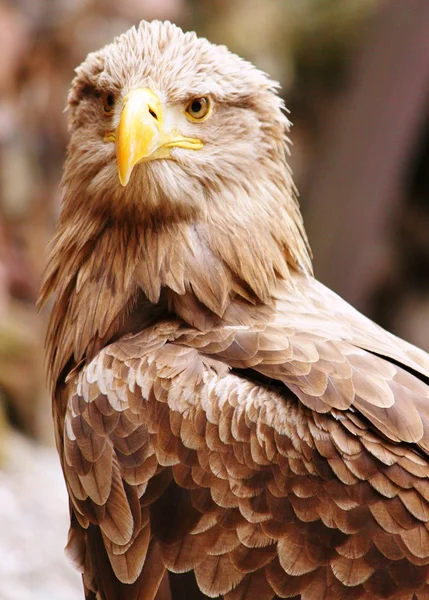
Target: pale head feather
[{"x": 242, "y": 168}]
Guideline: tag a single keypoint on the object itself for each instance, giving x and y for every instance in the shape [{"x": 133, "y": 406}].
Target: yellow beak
[{"x": 141, "y": 134}]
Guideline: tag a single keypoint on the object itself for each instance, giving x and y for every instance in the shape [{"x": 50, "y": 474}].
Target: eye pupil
[
  {"x": 108, "y": 102},
  {"x": 196, "y": 106}
]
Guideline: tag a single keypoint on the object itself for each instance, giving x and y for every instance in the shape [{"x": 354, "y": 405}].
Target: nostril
[{"x": 153, "y": 113}]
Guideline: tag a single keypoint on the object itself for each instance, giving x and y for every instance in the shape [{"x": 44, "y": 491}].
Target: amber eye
[
  {"x": 108, "y": 102},
  {"x": 198, "y": 108}
]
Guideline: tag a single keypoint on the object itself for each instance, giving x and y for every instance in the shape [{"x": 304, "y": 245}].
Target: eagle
[{"x": 227, "y": 426}]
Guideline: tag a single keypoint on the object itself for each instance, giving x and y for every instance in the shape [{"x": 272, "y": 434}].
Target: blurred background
[{"x": 355, "y": 76}]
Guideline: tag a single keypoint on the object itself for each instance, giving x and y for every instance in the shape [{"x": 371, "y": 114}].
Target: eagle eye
[
  {"x": 198, "y": 109},
  {"x": 108, "y": 102}
]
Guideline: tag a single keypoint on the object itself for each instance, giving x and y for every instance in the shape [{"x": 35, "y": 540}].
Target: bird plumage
[{"x": 227, "y": 425}]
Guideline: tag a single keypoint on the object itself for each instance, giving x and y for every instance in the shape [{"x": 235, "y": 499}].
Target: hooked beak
[{"x": 142, "y": 133}]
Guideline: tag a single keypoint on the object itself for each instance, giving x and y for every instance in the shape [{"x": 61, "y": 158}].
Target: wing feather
[{"x": 311, "y": 482}]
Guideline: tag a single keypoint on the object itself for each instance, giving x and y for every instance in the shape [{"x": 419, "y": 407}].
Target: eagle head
[{"x": 161, "y": 117}]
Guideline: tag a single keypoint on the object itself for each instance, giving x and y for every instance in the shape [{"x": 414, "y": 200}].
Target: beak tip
[{"x": 123, "y": 171}]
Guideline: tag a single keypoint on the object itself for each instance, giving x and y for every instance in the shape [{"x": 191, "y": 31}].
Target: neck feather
[{"x": 111, "y": 277}]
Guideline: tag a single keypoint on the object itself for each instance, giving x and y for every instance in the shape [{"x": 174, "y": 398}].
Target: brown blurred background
[{"x": 355, "y": 75}]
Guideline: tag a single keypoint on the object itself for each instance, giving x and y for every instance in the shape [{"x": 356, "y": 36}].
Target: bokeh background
[{"x": 355, "y": 76}]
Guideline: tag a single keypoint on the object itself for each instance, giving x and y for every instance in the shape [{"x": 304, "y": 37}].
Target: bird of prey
[{"x": 228, "y": 427}]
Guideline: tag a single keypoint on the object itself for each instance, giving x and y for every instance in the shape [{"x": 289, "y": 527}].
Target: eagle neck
[{"x": 114, "y": 276}]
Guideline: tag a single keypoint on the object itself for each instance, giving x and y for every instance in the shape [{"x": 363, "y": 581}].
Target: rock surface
[{"x": 33, "y": 525}]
